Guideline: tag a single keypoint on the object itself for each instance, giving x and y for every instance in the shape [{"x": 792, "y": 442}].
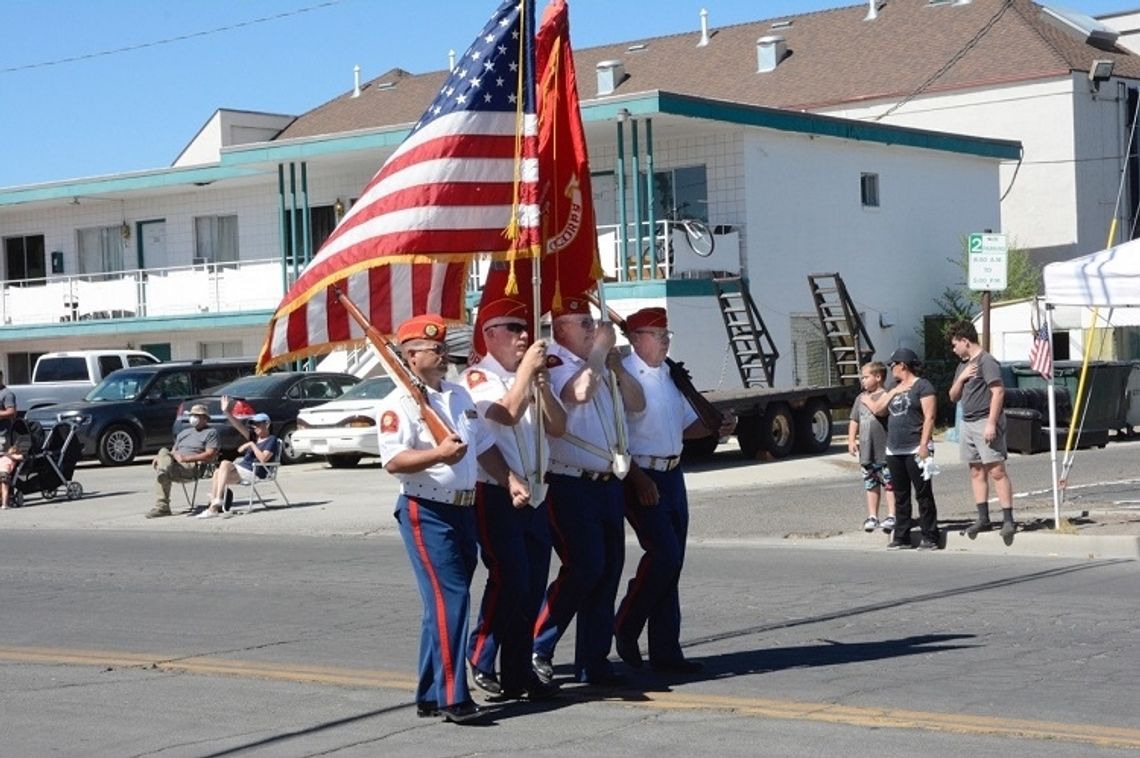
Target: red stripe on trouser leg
[{"x": 440, "y": 605}]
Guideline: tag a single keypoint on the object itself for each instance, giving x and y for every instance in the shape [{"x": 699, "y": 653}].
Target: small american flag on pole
[{"x": 1041, "y": 354}]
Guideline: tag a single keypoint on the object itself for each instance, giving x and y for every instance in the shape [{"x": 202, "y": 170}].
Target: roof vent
[
  {"x": 610, "y": 75},
  {"x": 356, "y": 81},
  {"x": 704, "y": 42},
  {"x": 770, "y": 51},
  {"x": 783, "y": 24},
  {"x": 872, "y": 10},
  {"x": 637, "y": 47}
]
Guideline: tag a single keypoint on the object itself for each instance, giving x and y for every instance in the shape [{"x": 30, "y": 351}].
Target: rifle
[
  {"x": 398, "y": 370},
  {"x": 710, "y": 417}
]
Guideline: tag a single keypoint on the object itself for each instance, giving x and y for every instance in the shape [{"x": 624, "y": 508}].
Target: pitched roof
[{"x": 834, "y": 57}]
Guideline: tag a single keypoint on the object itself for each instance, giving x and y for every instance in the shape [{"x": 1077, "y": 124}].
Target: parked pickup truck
[{"x": 68, "y": 376}]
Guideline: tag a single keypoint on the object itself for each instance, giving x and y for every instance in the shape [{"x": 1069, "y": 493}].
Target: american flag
[
  {"x": 463, "y": 184},
  {"x": 1041, "y": 354}
]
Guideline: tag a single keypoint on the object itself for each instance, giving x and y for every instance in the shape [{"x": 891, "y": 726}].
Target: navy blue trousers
[
  {"x": 514, "y": 544},
  {"x": 440, "y": 540},
  {"x": 652, "y": 595},
  {"x": 589, "y": 537}
]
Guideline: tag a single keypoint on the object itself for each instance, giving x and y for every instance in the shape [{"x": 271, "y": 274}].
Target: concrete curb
[{"x": 1039, "y": 544}]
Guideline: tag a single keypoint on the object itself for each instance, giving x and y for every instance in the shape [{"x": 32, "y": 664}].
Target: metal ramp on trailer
[
  {"x": 848, "y": 343},
  {"x": 748, "y": 338}
]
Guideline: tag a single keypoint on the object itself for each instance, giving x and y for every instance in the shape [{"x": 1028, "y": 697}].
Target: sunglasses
[
  {"x": 437, "y": 349},
  {"x": 512, "y": 326}
]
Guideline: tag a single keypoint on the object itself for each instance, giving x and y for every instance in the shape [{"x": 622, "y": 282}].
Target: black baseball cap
[{"x": 903, "y": 355}]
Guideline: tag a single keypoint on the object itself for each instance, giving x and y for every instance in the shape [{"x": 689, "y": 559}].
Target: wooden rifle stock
[
  {"x": 399, "y": 372},
  {"x": 710, "y": 417}
]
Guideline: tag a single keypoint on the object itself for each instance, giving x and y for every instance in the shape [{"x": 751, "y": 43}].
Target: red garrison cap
[
  {"x": 572, "y": 306},
  {"x": 429, "y": 326},
  {"x": 241, "y": 409},
  {"x": 647, "y": 318},
  {"x": 504, "y": 307}
]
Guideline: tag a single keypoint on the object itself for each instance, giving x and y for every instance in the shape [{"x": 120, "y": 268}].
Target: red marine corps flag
[
  {"x": 463, "y": 185},
  {"x": 570, "y": 263}
]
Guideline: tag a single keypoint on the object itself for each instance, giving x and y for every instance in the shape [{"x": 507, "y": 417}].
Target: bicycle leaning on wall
[{"x": 697, "y": 235}]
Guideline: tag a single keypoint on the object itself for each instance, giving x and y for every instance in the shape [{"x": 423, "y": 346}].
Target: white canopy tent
[{"x": 1107, "y": 279}]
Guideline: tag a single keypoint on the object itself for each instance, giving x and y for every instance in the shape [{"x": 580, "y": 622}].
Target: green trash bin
[{"x": 1105, "y": 389}]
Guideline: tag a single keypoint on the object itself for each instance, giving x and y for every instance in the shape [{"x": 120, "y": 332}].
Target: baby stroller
[{"x": 48, "y": 463}]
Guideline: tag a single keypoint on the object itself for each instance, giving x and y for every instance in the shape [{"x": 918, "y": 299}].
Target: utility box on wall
[{"x": 57, "y": 262}]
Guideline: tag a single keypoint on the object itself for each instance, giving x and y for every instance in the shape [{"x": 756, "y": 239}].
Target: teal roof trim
[
  {"x": 668, "y": 103},
  {"x": 169, "y": 177},
  {"x": 311, "y": 147},
  {"x": 120, "y": 326}
]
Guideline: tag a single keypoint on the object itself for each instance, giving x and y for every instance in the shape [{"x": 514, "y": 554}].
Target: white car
[{"x": 344, "y": 430}]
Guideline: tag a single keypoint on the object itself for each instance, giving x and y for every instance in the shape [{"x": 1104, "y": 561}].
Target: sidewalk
[{"x": 328, "y": 502}]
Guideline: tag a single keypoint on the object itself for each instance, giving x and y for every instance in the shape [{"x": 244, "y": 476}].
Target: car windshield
[
  {"x": 121, "y": 385},
  {"x": 375, "y": 388},
  {"x": 248, "y": 386}
]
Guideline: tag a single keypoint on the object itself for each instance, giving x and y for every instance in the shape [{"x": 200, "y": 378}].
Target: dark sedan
[{"x": 281, "y": 394}]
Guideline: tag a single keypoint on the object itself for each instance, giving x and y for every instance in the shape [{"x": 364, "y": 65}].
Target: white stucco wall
[
  {"x": 1070, "y": 141},
  {"x": 805, "y": 216}
]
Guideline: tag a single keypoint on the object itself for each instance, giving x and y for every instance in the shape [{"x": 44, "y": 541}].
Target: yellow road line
[{"x": 882, "y": 718}]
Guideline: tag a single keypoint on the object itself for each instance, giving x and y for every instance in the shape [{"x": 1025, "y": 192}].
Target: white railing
[
  {"x": 678, "y": 260},
  {"x": 659, "y": 260},
  {"x": 177, "y": 290}
]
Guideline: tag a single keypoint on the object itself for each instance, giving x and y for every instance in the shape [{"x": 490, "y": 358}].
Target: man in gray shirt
[
  {"x": 977, "y": 386},
  {"x": 195, "y": 445},
  {"x": 7, "y": 414}
]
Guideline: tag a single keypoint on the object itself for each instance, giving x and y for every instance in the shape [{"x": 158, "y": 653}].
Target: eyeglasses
[
  {"x": 513, "y": 327},
  {"x": 437, "y": 349},
  {"x": 587, "y": 323},
  {"x": 663, "y": 336}
]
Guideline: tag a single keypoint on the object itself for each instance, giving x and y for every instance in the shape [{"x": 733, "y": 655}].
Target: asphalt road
[{"x": 202, "y": 644}]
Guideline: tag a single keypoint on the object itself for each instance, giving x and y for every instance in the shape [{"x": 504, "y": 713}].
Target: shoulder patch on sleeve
[
  {"x": 552, "y": 361},
  {"x": 475, "y": 378},
  {"x": 389, "y": 422}
]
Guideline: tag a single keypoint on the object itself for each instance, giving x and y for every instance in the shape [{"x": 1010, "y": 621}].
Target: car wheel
[
  {"x": 117, "y": 446},
  {"x": 288, "y": 454},
  {"x": 347, "y": 460}
]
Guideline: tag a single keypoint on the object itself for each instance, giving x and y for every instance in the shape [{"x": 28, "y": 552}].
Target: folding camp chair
[
  {"x": 272, "y": 467},
  {"x": 205, "y": 470}
]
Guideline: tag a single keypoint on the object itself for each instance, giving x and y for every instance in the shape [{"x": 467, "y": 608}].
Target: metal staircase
[
  {"x": 748, "y": 337},
  {"x": 847, "y": 341}
]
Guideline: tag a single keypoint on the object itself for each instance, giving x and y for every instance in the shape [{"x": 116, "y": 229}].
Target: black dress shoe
[
  {"x": 536, "y": 690},
  {"x": 427, "y": 709},
  {"x": 486, "y": 681},
  {"x": 461, "y": 712},
  {"x": 628, "y": 651},
  {"x": 543, "y": 668},
  {"x": 682, "y": 666}
]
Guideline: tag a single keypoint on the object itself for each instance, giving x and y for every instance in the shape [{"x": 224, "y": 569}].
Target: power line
[
  {"x": 169, "y": 40},
  {"x": 950, "y": 63}
]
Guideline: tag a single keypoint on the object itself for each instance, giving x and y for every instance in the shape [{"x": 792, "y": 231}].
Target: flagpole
[{"x": 1052, "y": 394}]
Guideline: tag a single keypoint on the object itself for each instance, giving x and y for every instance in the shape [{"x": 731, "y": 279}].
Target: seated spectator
[
  {"x": 8, "y": 464},
  {"x": 194, "y": 445},
  {"x": 262, "y": 447}
]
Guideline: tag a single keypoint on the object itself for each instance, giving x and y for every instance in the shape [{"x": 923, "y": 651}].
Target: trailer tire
[
  {"x": 813, "y": 427},
  {"x": 778, "y": 431},
  {"x": 748, "y": 435}
]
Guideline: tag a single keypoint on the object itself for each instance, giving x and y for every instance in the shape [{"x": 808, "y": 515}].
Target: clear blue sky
[{"x": 137, "y": 109}]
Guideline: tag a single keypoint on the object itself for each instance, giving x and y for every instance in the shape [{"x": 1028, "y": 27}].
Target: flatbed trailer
[{"x": 777, "y": 422}]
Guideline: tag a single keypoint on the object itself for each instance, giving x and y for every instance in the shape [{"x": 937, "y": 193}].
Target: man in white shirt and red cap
[
  {"x": 585, "y": 498},
  {"x": 509, "y": 385},
  {"x": 435, "y": 508},
  {"x": 657, "y": 505}
]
